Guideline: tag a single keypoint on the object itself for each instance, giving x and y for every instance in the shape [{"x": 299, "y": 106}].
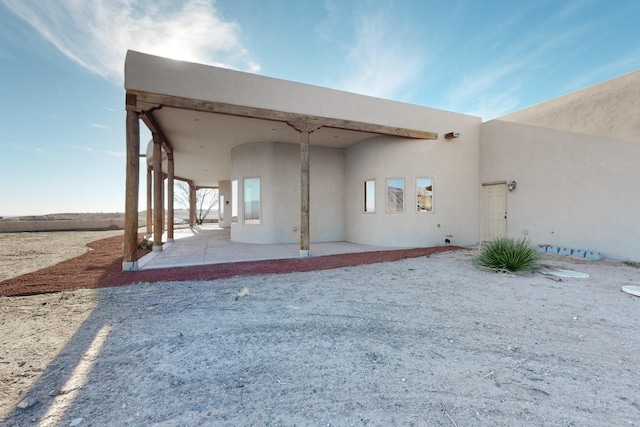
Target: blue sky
[{"x": 62, "y": 139}]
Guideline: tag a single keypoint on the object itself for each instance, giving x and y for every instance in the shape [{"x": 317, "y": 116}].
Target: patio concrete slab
[{"x": 210, "y": 244}]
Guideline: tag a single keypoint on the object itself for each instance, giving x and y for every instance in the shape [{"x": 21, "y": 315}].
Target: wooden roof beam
[
  {"x": 153, "y": 126},
  {"x": 145, "y": 101}
]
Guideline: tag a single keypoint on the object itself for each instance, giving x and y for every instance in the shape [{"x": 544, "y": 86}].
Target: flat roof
[{"x": 203, "y": 111}]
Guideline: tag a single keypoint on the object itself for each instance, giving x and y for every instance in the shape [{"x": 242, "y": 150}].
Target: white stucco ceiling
[{"x": 202, "y": 142}]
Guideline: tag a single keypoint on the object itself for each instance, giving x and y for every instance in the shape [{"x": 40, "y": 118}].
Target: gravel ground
[
  {"x": 422, "y": 341},
  {"x": 22, "y": 253}
]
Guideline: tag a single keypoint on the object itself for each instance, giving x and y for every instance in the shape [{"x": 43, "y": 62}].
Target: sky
[{"x": 62, "y": 116}]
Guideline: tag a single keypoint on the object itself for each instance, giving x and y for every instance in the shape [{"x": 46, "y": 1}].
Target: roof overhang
[{"x": 199, "y": 113}]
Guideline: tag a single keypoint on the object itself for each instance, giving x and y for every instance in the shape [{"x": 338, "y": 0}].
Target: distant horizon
[
  {"x": 63, "y": 136},
  {"x": 213, "y": 211}
]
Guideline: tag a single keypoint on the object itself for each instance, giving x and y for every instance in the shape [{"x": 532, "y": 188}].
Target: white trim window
[
  {"x": 395, "y": 195},
  {"x": 424, "y": 195},
  {"x": 251, "y": 193},
  {"x": 370, "y": 196},
  {"x": 234, "y": 201}
]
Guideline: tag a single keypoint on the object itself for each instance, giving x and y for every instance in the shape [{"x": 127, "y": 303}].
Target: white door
[{"x": 494, "y": 211}]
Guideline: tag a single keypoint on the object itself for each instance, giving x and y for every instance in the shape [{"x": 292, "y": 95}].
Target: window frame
[
  {"x": 251, "y": 221},
  {"x": 369, "y": 192},
  {"x": 234, "y": 201},
  {"x": 389, "y": 207},
  {"x": 417, "y": 195}
]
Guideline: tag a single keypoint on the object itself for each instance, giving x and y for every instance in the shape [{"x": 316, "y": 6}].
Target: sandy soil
[
  {"x": 421, "y": 341},
  {"x": 22, "y": 253}
]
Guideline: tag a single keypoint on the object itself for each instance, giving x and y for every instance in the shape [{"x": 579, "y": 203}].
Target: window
[
  {"x": 395, "y": 195},
  {"x": 424, "y": 195},
  {"x": 369, "y": 196},
  {"x": 221, "y": 209},
  {"x": 252, "y": 201},
  {"x": 234, "y": 201}
]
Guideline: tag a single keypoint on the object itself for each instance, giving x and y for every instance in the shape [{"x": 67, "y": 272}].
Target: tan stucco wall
[
  {"x": 160, "y": 75},
  {"x": 453, "y": 164},
  {"x": 278, "y": 167},
  {"x": 573, "y": 190},
  {"x": 610, "y": 109}
]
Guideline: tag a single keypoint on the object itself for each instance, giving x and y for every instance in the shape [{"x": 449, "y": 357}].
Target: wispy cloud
[
  {"x": 623, "y": 65},
  {"x": 96, "y": 34},
  {"x": 494, "y": 84},
  {"x": 95, "y": 152},
  {"x": 488, "y": 92},
  {"x": 383, "y": 58},
  {"x": 31, "y": 150},
  {"x": 98, "y": 126}
]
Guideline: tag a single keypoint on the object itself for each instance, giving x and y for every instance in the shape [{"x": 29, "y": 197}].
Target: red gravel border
[{"x": 102, "y": 267}]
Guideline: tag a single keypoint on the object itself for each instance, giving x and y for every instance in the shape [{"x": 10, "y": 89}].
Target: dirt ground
[
  {"x": 22, "y": 253},
  {"x": 420, "y": 341}
]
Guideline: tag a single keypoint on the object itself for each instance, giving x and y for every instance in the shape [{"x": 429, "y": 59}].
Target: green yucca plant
[{"x": 508, "y": 254}]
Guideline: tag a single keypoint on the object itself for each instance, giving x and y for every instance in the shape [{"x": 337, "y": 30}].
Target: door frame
[{"x": 483, "y": 230}]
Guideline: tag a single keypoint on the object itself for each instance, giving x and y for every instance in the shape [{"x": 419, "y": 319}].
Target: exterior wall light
[
  {"x": 452, "y": 135},
  {"x": 511, "y": 185}
]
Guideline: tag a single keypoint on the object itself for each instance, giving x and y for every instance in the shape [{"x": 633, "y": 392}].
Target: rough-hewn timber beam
[
  {"x": 130, "y": 256},
  {"x": 192, "y": 204},
  {"x": 304, "y": 126},
  {"x": 170, "y": 198},
  {"x": 158, "y": 206},
  {"x": 153, "y": 126},
  {"x": 147, "y": 101},
  {"x": 305, "y": 239},
  {"x": 149, "y": 201}
]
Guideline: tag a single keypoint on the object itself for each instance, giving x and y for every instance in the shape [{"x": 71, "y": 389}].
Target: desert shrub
[{"x": 508, "y": 254}]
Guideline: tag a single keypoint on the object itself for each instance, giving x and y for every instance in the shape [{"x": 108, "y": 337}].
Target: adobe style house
[{"x": 301, "y": 163}]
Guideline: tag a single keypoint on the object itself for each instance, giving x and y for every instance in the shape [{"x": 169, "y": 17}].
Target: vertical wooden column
[
  {"x": 305, "y": 241},
  {"x": 192, "y": 205},
  {"x": 149, "y": 202},
  {"x": 157, "y": 194},
  {"x": 170, "y": 213},
  {"x": 162, "y": 228},
  {"x": 130, "y": 256}
]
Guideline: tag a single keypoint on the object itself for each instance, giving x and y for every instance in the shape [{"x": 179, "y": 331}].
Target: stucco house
[{"x": 301, "y": 163}]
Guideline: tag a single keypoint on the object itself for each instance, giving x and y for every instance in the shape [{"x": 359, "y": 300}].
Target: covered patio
[
  {"x": 198, "y": 115},
  {"x": 209, "y": 244}
]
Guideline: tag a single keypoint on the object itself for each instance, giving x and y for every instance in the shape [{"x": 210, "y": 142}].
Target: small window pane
[
  {"x": 234, "y": 201},
  {"x": 395, "y": 195},
  {"x": 424, "y": 195},
  {"x": 252, "y": 201},
  {"x": 369, "y": 196}
]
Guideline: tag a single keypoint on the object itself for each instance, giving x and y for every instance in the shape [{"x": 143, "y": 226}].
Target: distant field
[
  {"x": 83, "y": 221},
  {"x": 65, "y": 222},
  {"x": 67, "y": 217}
]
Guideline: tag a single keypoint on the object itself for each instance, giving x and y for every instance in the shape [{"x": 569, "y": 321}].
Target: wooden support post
[
  {"x": 149, "y": 202},
  {"x": 162, "y": 193},
  {"x": 157, "y": 195},
  {"x": 304, "y": 195},
  {"x": 192, "y": 205},
  {"x": 170, "y": 213},
  {"x": 130, "y": 256}
]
